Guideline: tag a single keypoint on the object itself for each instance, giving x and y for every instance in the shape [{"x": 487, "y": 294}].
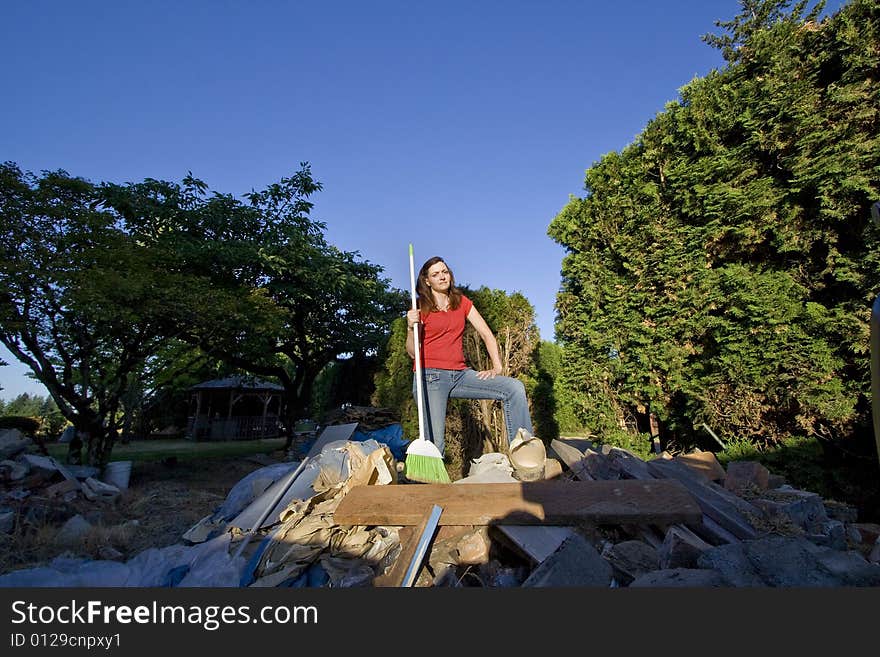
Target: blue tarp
[{"x": 392, "y": 436}]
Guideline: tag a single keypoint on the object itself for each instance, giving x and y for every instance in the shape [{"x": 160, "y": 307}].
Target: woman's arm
[
  {"x": 412, "y": 317},
  {"x": 482, "y": 328}
]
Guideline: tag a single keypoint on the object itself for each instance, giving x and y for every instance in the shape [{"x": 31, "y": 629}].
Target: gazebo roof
[{"x": 237, "y": 383}]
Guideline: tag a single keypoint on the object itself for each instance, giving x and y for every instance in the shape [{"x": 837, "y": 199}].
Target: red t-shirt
[{"x": 441, "y": 346}]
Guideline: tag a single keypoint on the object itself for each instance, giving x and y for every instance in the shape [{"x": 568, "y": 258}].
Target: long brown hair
[{"x": 425, "y": 299}]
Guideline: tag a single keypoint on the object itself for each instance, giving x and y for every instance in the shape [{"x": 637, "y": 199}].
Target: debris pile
[{"x": 591, "y": 516}]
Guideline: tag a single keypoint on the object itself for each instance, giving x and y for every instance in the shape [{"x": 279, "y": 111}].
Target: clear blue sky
[{"x": 461, "y": 127}]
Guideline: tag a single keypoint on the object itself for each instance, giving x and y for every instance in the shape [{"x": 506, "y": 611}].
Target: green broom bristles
[{"x": 426, "y": 469}]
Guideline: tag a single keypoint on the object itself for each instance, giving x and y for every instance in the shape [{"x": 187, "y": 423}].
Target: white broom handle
[{"x": 412, "y": 287}]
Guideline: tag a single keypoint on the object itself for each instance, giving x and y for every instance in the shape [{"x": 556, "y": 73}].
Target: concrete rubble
[{"x": 755, "y": 530}]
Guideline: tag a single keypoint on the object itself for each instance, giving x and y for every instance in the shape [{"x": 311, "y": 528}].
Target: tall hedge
[{"x": 721, "y": 268}]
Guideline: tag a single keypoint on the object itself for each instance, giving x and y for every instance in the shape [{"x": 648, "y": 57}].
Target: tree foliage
[
  {"x": 78, "y": 297},
  {"x": 268, "y": 293},
  {"x": 720, "y": 269},
  {"x": 108, "y": 291}
]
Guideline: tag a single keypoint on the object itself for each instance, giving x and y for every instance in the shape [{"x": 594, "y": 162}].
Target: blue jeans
[{"x": 440, "y": 385}]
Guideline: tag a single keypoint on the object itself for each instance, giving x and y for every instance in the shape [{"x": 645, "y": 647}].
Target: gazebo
[{"x": 234, "y": 408}]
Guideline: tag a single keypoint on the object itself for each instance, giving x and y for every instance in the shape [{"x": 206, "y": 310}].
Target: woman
[{"x": 442, "y": 311}]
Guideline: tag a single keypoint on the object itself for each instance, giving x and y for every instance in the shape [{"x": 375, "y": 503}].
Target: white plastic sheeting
[{"x": 206, "y": 564}]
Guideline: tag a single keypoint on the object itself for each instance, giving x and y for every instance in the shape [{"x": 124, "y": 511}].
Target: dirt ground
[{"x": 163, "y": 500}]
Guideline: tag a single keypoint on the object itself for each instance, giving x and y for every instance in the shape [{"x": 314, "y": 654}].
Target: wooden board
[
  {"x": 409, "y": 542},
  {"x": 524, "y": 503},
  {"x": 720, "y": 505}
]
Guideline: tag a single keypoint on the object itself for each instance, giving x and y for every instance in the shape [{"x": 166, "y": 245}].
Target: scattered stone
[
  {"x": 629, "y": 559},
  {"x": 744, "y": 475},
  {"x": 575, "y": 563},
  {"x": 775, "y": 481},
  {"x": 704, "y": 463},
  {"x": 805, "y": 509},
  {"x": 110, "y": 554},
  {"x": 552, "y": 468},
  {"x": 12, "y": 443},
  {"x": 681, "y": 549},
  {"x": 473, "y": 547},
  {"x": 95, "y": 490},
  {"x": 7, "y": 521},
  {"x": 833, "y": 535},
  {"x": 788, "y": 562},
  {"x": 869, "y": 531},
  {"x": 840, "y": 511},
  {"x": 13, "y": 470},
  {"x": 73, "y": 531},
  {"x": 63, "y": 487}
]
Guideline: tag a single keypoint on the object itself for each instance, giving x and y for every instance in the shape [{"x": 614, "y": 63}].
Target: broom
[{"x": 423, "y": 461}]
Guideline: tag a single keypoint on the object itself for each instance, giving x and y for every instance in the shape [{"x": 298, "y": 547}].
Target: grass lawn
[{"x": 158, "y": 449}]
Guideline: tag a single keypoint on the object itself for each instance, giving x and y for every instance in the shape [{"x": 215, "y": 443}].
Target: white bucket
[{"x": 117, "y": 473}]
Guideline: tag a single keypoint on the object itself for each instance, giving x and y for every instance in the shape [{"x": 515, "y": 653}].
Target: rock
[
  {"x": 805, "y": 509},
  {"x": 681, "y": 549},
  {"x": 575, "y": 563},
  {"x": 63, "y": 487},
  {"x": 703, "y": 463},
  {"x": 833, "y": 535},
  {"x": 473, "y": 547},
  {"x": 7, "y": 521},
  {"x": 840, "y": 511},
  {"x": 12, "y": 443},
  {"x": 745, "y": 475},
  {"x": 95, "y": 490},
  {"x": 73, "y": 531},
  {"x": 869, "y": 531},
  {"x": 110, "y": 554},
  {"x": 552, "y": 468},
  {"x": 13, "y": 470},
  {"x": 629, "y": 559},
  {"x": 788, "y": 562}
]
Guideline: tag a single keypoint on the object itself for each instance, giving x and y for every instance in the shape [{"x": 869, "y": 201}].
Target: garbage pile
[{"x": 574, "y": 514}]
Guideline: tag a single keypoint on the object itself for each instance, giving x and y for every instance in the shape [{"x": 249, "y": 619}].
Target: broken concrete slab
[
  {"x": 788, "y": 562},
  {"x": 703, "y": 463},
  {"x": 575, "y": 563},
  {"x": 95, "y": 490},
  {"x": 746, "y": 475},
  {"x": 537, "y": 542},
  {"x": 629, "y": 559},
  {"x": 805, "y": 509},
  {"x": 681, "y": 548}
]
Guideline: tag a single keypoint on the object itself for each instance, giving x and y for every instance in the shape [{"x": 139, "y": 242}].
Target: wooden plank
[
  {"x": 718, "y": 506},
  {"x": 409, "y": 542},
  {"x": 525, "y": 503}
]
